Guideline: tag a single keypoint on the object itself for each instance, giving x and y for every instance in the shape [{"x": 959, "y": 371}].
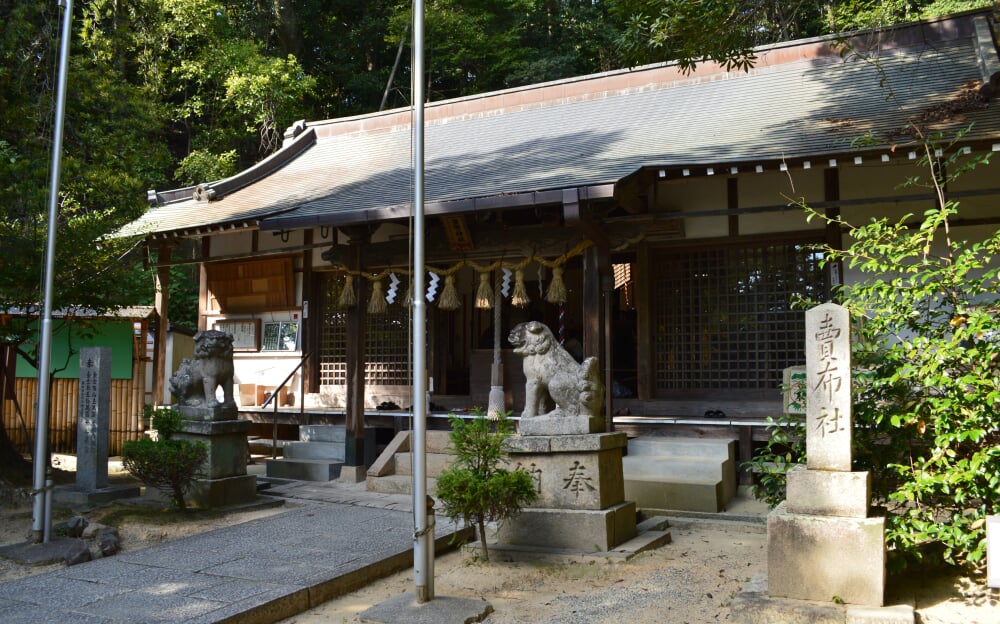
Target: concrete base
[
  {"x": 352, "y": 474},
  {"x": 578, "y": 529},
  {"x": 211, "y": 493},
  {"x": 74, "y": 496},
  {"x": 826, "y": 558},
  {"x": 650, "y": 533},
  {"x": 404, "y": 609},
  {"x": 753, "y": 605}
]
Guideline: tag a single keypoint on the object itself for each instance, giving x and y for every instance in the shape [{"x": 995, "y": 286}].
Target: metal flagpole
[
  {"x": 41, "y": 521},
  {"x": 423, "y": 535}
]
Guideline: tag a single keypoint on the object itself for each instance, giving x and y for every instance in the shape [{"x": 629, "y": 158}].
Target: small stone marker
[
  {"x": 93, "y": 418},
  {"x": 821, "y": 543},
  {"x": 828, "y": 377}
]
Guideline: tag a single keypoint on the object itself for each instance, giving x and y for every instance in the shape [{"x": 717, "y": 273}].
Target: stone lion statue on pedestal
[
  {"x": 553, "y": 375},
  {"x": 195, "y": 382}
]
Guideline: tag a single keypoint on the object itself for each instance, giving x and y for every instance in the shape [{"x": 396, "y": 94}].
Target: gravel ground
[{"x": 689, "y": 581}]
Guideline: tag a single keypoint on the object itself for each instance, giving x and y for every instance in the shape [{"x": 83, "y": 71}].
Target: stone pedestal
[
  {"x": 561, "y": 425},
  {"x": 581, "y": 503},
  {"x": 215, "y": 412},
  {"x": 225, "y": 480},
  {"x": 825, "y": 558}
]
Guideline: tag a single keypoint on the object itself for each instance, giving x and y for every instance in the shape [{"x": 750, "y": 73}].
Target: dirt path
[{"x": 690, "y": 581}]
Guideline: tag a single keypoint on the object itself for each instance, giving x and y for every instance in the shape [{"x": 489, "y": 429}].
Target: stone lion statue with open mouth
[{"x": 554, "y": 376}]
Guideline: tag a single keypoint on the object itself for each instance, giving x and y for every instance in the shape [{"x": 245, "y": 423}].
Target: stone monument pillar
[
  {"x": 214, "y": 423},
  {"x": 577, "y": 468},
  {"x": 822, "y": 546},
  {"x": 93, "y": 424}
]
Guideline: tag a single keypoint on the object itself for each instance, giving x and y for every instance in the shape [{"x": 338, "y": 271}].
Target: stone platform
[
  {"x": 581, "y": 493},
  {"x": 754, "y": 605}
]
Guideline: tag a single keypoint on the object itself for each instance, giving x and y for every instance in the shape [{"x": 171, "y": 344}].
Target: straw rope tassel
[
  {"x": 377, "y": 304},
  {"x": 484, "y": 294},
  {"x": 347, "y": 297},
  {"x": 449, "y": 296},
  {"x": 557, "y": 288},
  {"x": 520, "y": 297}
]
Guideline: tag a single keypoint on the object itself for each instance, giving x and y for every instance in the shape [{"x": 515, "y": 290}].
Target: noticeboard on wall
[
  {"x": 280, "y": 336},
  {"x": 245, "y": 332}
]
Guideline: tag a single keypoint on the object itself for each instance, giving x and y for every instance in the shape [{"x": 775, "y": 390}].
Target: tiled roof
[{"x": 802, "y": 100}]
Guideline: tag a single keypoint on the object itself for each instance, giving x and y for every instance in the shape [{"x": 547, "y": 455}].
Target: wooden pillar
[
  {"x": 309, "y": 339},
  {"x": 203, "y": 302},
  {"x": 596, "y": 295},
  {"x": 644, "y": 323},
  {"x": 733, "y": 203},
  {"x": 831, "y": 192},
  {"x": 355, "y": 449},
  {"x": 162, "y": 304}
]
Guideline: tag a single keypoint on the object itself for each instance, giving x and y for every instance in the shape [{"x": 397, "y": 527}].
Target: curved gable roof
[{"x": 801, "y": 100}]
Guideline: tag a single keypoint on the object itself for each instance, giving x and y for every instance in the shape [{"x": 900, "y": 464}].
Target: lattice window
[
  {"x": 723, "y": 319},
  {"x": 387, "y": 340}
]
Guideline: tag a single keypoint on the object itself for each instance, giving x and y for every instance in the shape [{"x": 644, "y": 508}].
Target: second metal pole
[{"x": 423, "y": 534}]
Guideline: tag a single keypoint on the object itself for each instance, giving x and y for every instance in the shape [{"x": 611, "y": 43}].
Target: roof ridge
[{"x": 618, "y": 82}]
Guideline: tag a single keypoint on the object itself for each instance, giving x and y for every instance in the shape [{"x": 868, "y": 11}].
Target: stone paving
[{"x": 334, "y": 539}]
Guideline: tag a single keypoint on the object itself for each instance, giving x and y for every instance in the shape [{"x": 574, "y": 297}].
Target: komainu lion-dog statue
[
  {"x": 195, "y": 382},
  {"x": 553, "y": 375}
]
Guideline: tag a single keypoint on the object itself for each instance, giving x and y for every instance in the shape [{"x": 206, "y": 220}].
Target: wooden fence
[{"x": 127, "y": 398}]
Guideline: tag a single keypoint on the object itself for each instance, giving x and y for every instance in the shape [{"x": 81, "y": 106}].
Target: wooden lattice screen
[
  {"x": 387, "y": 340},
  {"x": 723, "y": 319}
]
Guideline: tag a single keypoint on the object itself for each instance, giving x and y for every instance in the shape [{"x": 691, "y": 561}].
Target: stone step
[
  {"x": 303, "y": 469},
  {"x": 330, "y": 451},
  {"x": 437, "y": 442},
  {"x": 692, "y": 495},
  {"x": 323, "y": 433},
  {"x": 436, "y": 463},
  {"x": 670, "y": 468},
  {"x": 693, "y": 474},
  {"x": 682, "y": 447},
  {"x": 396, "y": 484}
]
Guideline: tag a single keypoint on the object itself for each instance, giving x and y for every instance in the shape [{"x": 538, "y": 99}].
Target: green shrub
[
  {"x": 785, "y": 448},
  {"x": 475, "y": 487},
  {"x": 927, "y": 336},
  {"x": 165, "y": 463}
]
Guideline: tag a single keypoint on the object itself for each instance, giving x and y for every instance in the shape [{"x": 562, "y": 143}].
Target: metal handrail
[{"x": 274, "y": 394}]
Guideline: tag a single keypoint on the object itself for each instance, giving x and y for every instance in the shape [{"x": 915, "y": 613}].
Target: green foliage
[
  {"x": 165, "y": 463},
  {"x": 166, "y": 421},
  {"x": 476, "y": 488},
  {"x": 927, "y": 384},
  {"x": 204, "y": 166},
  {"x": 784, "y": 449},
  {"x": 726, "y": 31}
]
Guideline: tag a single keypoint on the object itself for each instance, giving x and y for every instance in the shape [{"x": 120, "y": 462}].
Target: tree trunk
[
  {"x": 13, "y": 466},
  {"x": 482, "y": 539}
]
